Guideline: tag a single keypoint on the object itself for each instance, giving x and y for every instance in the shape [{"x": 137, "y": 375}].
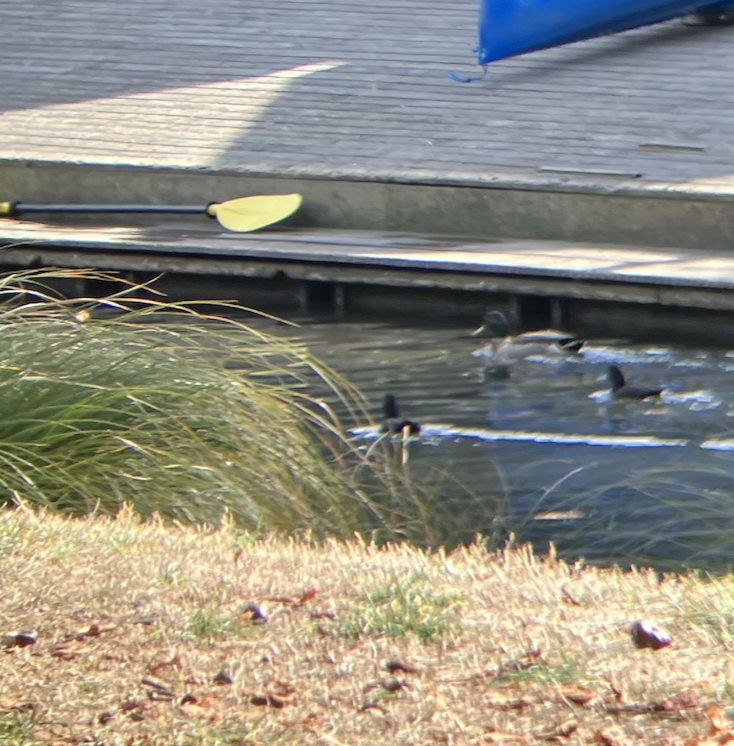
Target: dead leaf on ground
[
  {"x": 264, "y": 700},
  {"x": 617, "y": 690},
  {"x": 577, "y": 694},
  {"x": 94, "y": 630},
  {"x": 645, "y": 634},
  {"x": 372, "y": 706},
  {"x": 565, "y": 730},
  {"x": 222, "y": 679},
  {"x": 284, "y": 688},
  {"x": 604, "y": 739},
  {"x": 323, "y": 615},
  {"x": 255, "y": 613},
  {"x": 175, "y": 662},
  {"x": 713, "y": 739},
  {"x": 65, "y": 652},
  {"x": 559, "y": 515},
  {"x": 16, "y": 704},
  {"x": 393, "y": 666},
  {"x": 157, "y": 690},
  {"x": 522, "y": 662},
  {"x": 719, "y": 731},
  {"x": 276, "y": 702},
  {"x": 500, "y": 701},
  {"x": 495, "y": 737},
  {"x": 395, "y": 685},
  {"x": 634, "y": 708},
  {"x": 200, "y": 710},
  {"x": 45, "y": 735},
  {"x": 19, "y": 639},
  {"x": 136, "y": 709},
  {"x": 716, "y": 715},
  {"x": 307, "y": 596}
]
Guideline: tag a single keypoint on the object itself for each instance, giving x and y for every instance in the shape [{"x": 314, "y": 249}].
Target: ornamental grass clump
[{"x": 132, "y": 400}]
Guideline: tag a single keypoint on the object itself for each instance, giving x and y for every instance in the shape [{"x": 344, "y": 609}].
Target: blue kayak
[{"x": 511, "y": 27}]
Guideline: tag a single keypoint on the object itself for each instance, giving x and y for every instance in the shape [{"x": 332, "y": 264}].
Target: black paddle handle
[{"x": 17, "y": 208}]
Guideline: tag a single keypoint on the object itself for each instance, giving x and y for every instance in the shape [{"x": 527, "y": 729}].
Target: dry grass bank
[{"x": 143, "y": 636}]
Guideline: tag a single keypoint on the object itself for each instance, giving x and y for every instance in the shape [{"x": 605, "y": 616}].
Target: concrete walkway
[
  {"x": 343, "y": 88},
  {"x": 622, "y": 140}
]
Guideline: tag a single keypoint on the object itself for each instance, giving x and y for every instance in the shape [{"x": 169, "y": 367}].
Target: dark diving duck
[
  {"x": 622, "y": 390},
  {"x": 394, "y": 423}
]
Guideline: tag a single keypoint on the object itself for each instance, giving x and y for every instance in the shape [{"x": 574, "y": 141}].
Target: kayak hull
[{"x": 511, "y": 27}]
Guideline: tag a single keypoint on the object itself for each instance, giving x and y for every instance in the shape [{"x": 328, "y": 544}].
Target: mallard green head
[{"x": 494, "y": 324}]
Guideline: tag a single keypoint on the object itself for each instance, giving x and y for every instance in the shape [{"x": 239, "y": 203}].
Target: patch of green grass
[
  {"x": 567, "y": 671},
  {"x": 18, "y": 727},
  {"x": 210, "y": 624},
  {"x": 406, "y": 606}
]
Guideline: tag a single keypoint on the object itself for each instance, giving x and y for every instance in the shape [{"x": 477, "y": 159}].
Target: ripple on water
[
  {"x": 625, "y": 355},
  {"x": 698, "y": 401}
]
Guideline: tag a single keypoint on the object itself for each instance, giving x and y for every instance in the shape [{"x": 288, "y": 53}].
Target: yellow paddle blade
[{"x": 250, "y": 213}]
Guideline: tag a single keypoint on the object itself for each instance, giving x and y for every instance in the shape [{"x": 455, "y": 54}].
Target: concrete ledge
[
  {"x": 550, "y": 207},
  {"x": 627, "y": 274}
]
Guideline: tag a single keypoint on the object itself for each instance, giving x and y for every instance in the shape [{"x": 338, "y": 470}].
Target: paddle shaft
[
  {"x": 241, "y": 215},
  {"x": 18, "y": 209}
]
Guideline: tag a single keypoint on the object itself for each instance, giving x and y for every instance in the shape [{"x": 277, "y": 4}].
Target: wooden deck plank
[{"x": 98, "y": 82}]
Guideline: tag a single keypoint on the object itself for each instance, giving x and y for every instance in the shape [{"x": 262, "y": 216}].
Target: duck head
[
  {"x": 494, "y": 324},
  {"x": 394, "y": 423},
  {"x": 616, "y": 377},
  {"x": 391, "y": 408}
]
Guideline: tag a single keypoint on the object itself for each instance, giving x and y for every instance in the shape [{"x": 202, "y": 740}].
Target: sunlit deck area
[{"x": 624, "y": 140}]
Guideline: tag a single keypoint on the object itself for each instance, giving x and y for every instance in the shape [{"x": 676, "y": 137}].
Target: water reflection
[{"x": 608, "y": 480}]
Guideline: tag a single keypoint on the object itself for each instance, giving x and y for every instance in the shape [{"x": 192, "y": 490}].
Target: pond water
[{"x": 647, "y": 482}]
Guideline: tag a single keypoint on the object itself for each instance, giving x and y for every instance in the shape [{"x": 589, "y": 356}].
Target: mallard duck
[
  {"x": 622, "y": 390},
  {"x": 393, "y": 422},
  {"x": 506, "y": 349}
]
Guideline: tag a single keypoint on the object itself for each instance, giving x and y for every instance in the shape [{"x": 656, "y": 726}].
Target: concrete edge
[
  {"x": 498, "y": 206},
  {"x": 125, "y": 256},
  {"x": 250, "y": 248},
  {"x": 583, "y": 181}
]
